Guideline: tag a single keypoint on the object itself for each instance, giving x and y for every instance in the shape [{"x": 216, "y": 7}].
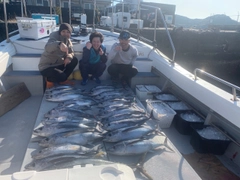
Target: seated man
[
  {"x": 94, "y": 58},
  {"x": 57, "y": 61},
  {"x": 122, "y": 56}
]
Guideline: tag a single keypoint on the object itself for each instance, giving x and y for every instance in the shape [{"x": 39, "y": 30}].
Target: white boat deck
[
  {"x": 15, "y": 132},
  {"x": 165, "y": 163}
]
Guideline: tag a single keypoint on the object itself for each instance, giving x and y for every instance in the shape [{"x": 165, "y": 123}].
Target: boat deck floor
[{"x": 17, "y": 125}]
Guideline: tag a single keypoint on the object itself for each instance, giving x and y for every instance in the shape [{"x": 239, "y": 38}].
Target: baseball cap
[{"x": 124, "y": 35}]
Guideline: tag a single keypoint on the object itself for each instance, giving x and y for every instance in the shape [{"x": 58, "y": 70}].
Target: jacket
[{"x": 52, "y": 55}]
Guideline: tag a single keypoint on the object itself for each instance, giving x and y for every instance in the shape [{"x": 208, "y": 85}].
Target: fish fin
[
  {"x": 166, "y": 144},
  {"x": 99, "y": 128},
  {"x": 100, "y": 154}
]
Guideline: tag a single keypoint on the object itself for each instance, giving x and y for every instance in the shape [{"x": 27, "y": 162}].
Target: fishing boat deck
[{"x": 17, "y": 145}]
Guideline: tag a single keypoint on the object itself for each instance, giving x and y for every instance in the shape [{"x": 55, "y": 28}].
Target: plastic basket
[
  {"x": 161, "y": 112},
  {"x": 204, "y": 145},
  {"x": 183, "y": 125}
]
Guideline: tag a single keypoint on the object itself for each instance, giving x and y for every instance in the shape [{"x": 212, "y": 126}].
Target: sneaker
[
  {"x": 97, "y": 80},
  {"x": 67, "y": 82},
  {"x": 84, "y": 82},
  {"x": 49, "y": 84}
]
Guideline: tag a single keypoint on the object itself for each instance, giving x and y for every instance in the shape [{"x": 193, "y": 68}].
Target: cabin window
[
  {"x": 39, "y": 2},
  {"x": 65, "y": 4},
  {"x": 88, "y": 6},
  {"x": 45, "y": 3}
]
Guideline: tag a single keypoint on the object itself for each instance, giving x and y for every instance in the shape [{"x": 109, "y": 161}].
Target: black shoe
[
  {"x": 124, "y": 83},
  {"x": 115, "y": 80}
]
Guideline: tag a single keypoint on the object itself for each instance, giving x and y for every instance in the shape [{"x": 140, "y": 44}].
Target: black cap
[
  {"x": 124, "y": 35},
  {"x": 65, "y": 26}
]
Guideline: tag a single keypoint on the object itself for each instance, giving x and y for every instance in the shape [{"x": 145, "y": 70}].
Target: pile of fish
[{"x": 82, "y": 123}]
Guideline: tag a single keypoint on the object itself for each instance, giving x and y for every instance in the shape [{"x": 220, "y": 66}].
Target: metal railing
[
  {"x": 165, "y": 25},
  {"x": 155, "y": 25},
  {"x": 5, "y": 19},
  {"x": 234, "y": 87}
]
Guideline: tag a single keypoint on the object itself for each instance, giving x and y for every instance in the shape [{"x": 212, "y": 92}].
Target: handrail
[
  {"x": 165, "y": 25},
  {"x": 5, "y": 18},
  {"x": 234, "y": 87}
]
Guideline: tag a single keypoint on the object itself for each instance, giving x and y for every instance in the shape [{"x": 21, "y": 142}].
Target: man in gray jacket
[
  {"x": 57, "y": 61},
  {"x": 122, "y": 56}
]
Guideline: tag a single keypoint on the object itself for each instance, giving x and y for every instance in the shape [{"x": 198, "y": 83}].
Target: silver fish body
[
  {"x": 123, "y": 123},
  {"x": 46, "y": 131},
  {"x": 72, "y": 138},
  {"x": 64, "y": 150},
  {"x": 65, "y": 119},
  {"x": 62, "y": 97},
  {"x": 127, "y": 133},
  {"x": 133, "y": 147},
  {"x": 67, "y": 112}
]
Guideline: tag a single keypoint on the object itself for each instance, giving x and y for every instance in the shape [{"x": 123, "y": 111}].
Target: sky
[{"x": 204, "y": 8}]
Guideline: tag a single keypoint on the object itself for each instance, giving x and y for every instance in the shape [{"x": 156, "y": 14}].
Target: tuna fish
[
  {"x": 127, "y": 133},
  {"x": 72, "y": 138},
  {"x": 65, "y": 149},
  {"x": 133, "y": 147},
  {"x": 62, "y": 97}
]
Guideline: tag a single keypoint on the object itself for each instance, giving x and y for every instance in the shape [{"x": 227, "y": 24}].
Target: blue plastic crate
[{"x": 46, "y": 16}]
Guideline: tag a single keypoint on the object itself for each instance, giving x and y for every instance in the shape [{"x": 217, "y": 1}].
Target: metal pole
[
  {"x": 155, "y": 26},
  {"x": 112, "y": 25},
  {"x": 50, "y": 9},
  {"x": 70, "y": 12},
  {"x": 122, "y": 14},
  {"x": 138, "y": 11},
  {"x": 60, "y": 4},
  {"x": 22, "y": 8},
  {"x": 94, "y": 14},
  {"x": 5, "y": 19},
  {"x": 25, "y": 8}
]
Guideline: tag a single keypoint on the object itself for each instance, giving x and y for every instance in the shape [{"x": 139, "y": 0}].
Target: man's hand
[
  {"x": 118, "y": 48},
  {"x": 101, "y": 52},
  {"x": 63, "y": 47},
  {"x": 89, "y": 45},
  {"x": 66, "y": 61}
]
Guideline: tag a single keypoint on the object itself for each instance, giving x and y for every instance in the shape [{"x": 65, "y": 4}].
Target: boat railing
[
  {"x": 165, "y": 25},
  {"x": 5, "y": 19},
  {"x": 154, "y": 42},
  {"x": 234, "y": 87}
]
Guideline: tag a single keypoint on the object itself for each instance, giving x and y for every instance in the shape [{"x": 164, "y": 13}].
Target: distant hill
[{"x": 216, "y": 20}]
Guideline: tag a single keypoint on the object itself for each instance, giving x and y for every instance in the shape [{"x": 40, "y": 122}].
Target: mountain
[{"x": 215, "y": 20}]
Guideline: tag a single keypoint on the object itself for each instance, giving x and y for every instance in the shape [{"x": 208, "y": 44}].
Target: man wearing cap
[
  {"x": 58, "y": 61},
  {"x": 122, "y": 56}
]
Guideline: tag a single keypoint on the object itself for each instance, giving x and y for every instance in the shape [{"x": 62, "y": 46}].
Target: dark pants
[
  {"x": 127, "y": 71},
  {"x": 55, "y": 76},
  {"x": 95, "y": 69}
]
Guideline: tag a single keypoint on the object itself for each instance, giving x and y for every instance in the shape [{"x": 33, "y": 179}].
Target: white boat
[{"x": 19, "y": 58}]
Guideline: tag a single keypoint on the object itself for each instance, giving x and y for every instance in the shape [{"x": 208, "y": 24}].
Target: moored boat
[{"x": 19, "y": 59}]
